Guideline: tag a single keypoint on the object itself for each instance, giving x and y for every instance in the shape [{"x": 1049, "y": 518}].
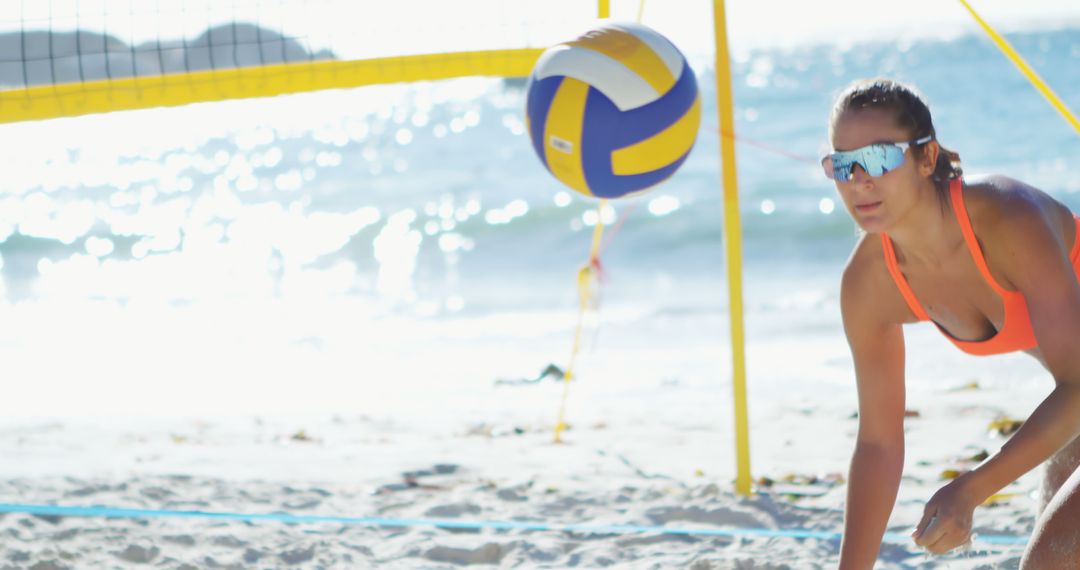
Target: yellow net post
[
  {"x": 1024, "y": 68},
  {"x": 733, "y": 250}
]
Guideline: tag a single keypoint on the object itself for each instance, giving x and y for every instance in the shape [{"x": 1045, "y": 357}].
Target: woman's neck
[{"x": 927, "y": 233}]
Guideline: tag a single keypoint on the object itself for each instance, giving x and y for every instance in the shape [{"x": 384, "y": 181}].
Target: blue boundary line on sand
[{"x": 111, "y": 512}]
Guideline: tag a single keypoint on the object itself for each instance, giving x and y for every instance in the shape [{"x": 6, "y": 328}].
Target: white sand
[
  {"x": 665, "y": 463},
  {"x": 650, "y": 444}
]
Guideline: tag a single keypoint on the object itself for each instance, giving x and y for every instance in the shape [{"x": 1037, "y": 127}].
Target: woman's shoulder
[
  {"x": 995, "y": 202},
  {"x": 866, "y": 286},
  {"x": 1014, "y": 221}
]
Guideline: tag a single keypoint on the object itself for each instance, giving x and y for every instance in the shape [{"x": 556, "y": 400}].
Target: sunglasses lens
[
  {"x": 882, "y": 158},
  {"x": 840, "y": 166},
  {"x": 875, "y": 160}
]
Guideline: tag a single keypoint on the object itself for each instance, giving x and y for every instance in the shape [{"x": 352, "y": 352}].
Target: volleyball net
[{"x": 75, "y": 57}]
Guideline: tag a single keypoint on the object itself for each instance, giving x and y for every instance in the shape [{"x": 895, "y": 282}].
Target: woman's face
[{"x": 876, "y": 202}]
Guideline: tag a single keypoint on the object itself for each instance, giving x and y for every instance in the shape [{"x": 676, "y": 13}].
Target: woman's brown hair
[{"x": 911, "y": 113}]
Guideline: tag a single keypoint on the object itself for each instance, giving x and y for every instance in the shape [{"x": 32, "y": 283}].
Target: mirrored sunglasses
[{"x": 875, "y": 159}]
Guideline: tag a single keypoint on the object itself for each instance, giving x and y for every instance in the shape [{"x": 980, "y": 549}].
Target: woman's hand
[{"x": 946, "y": 521}]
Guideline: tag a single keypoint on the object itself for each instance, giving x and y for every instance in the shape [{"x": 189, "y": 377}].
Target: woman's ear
[{"x": 928, "y": 162}]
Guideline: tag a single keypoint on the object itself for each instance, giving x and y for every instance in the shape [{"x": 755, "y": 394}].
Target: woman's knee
[
  {"x": 1057, "y": 471},
  {"x": 1055, "y": 541}
]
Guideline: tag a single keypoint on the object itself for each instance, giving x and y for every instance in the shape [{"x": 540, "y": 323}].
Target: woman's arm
[
  {"x": 1026, "y": 245},
  {"x": 877, "y": 347},
  {"x": 873, "y": 482}
]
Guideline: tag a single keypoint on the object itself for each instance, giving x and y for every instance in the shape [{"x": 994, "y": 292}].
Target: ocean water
[{"x": 400, "y": 247}]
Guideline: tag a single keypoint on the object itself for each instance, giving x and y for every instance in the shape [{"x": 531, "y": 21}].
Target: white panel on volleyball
[
  {"x": 660, "y": 45},
  {"x": 619, "y": 83}
]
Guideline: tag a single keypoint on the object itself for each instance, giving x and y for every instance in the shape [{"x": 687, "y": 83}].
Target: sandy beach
[{"x": 662, "y": 465}]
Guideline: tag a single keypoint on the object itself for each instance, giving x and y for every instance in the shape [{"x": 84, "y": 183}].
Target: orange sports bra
[{"x": 1016, "y": 332}]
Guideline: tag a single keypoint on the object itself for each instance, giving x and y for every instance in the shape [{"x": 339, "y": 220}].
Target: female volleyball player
[{"x": 993, "y": 263}]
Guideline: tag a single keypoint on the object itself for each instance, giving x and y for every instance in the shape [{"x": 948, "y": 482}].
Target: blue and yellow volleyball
[{"x": 614, "y": 112}]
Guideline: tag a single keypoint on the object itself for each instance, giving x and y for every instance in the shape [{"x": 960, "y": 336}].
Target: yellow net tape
[
  {"x": 587, "y": 274},
  {"x": 1033, "y": 77},
  {"x": 71, "y": 99},
  {"x": 585, "y": 278}
]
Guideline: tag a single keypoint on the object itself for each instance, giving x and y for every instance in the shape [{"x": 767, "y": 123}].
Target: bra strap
[
  {"x": 898, "y": 278},
  {"x": 956, "y": 192}
]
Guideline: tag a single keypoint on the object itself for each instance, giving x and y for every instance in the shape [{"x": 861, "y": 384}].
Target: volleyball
[{"x": 614, "y": 112}]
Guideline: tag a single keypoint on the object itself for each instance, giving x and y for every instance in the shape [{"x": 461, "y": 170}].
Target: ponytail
[{"x": 947, "y": 166}]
